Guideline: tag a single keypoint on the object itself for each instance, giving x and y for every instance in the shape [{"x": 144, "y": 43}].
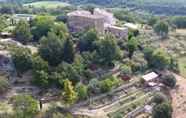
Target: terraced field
[{"x": 137, "y": 99}]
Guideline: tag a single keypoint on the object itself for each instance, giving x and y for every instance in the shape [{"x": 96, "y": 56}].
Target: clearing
[{"x": 47, "y": 4}]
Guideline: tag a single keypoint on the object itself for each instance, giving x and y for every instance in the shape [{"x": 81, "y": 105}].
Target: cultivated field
[{"x": 47, "y": 4}]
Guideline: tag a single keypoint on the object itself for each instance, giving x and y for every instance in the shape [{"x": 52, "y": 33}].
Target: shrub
[
  {"x": 163, "y": 110},
  {"x": 25, "y": 106},
  {"x": 107, "y": 84},
  {"x": 82, "y": 91},
  {"x": 22, "y": 59},
  {"x": 159, "y": 98},
  {"x": 4, "y": 85},
  {"x": 169, "y": 80}
]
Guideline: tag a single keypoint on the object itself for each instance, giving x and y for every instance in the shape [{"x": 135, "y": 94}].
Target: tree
[
  {"x": 22, "y": 59},
  {"x": 68, "y": 71},
  {"x": 163, "y": 110},
  {"x": 25, "y": 106},
  {"x": 169, "y": 80},
  {"x": 82, "y": 91},
  {"x": 41, "y": 78},
  {"x": 94, "y": 86},
  {"x": 41, "y": 25},
  {"x": 87, "y": 41},
  {"x": 160, "y": 59},
  {"x": 39, "y": 64},
  {"x": 179, "y": 21},
  {"x": 4, "y": 85},
  {"x": 22, "y": 32},
  {"x": 51, "y": 49},
  {"x": 68, "y": 51},
  {"x": 161, "y": 28},
  {"x": 107, "y": 84},
  {"x": 126, "y": 70},
  {"x": 159, "y": 98},
  {"x": 152, "y": 21},
  {"x": 69, "y": 94},
  {"x": 108, "y": 50},
  {"x": 148, "y": 51},
  {"x": 132, "y": 45},
  {"x": 61, "y": 30}
]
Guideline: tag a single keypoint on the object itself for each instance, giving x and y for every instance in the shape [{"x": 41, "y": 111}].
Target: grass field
[
  {"x": 182, "y": 66},
  {"x": 48, "y": 4}
]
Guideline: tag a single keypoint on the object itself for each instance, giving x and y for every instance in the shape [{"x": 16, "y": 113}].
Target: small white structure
[
  {"x": 148, "y": 109},
  {"x": 150, "y": 77},
  {"x": 131, "y": 26},
  {"x": 26, "y": 17}
]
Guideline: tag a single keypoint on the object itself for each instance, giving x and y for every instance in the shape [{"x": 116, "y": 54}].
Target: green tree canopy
[
  {"x": 161, "y": 28},
  {"x": 163, "y": 110},
  {"x": 87, "y": 41},
  {"x": 51, "y": 49},
  {"x": 25, "y": 106},
  {"x": 169, "y": 80},
  {"x": 61, "y": 30},
  {"x": 69, "y": 95},
  {"x": 22, "y": 32},
  {"x": 68, "y": 51},
  {"x": 132, "y": 45},
  {"x": 82, "y": 91},
  {"x": 41, "y": 26},
  {"x": 108, "y": 50},
  {"x": 22, "y": 59},
  {"x": 160, "y": 59},
  {"x": 4, "y": 84}
]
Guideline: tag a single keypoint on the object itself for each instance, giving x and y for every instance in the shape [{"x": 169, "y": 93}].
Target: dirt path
[{"x": 179, "y": 98}]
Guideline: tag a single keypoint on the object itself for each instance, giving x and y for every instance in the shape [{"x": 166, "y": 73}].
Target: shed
[{"x": 150, "y": 77}]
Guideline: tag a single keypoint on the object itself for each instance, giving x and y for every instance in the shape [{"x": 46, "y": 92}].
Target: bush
[
  {"x": 94, "y": 86},
  {"x": 163, "y": 110},
  {"x": 25, "y": 106},
  {"x": 82, "y": 91},
  {"x": 4, "y": 85},
  {"x": 159, "y": 98},
  {"x": 180, "y": 22},
  {"x": 126, "y": 70},
  {"x": 161, "y": 28},
  {"x": 107, "y": 84},
  {"x": 169, "y": 80},
  {"x": 22, "y": 59}
]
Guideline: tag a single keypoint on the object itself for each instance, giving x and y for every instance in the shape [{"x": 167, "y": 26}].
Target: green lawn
[
  {"x": 47, "y": 4},
  {"x": 182, "y": 66}
]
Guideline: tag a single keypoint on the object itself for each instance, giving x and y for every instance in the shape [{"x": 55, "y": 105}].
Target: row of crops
[{"x": 130, "y": 103}]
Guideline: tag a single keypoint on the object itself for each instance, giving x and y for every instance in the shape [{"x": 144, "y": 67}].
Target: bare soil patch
[{"x": 179, "y": 98}]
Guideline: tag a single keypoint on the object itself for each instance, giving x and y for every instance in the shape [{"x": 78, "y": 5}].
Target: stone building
[
  {"x": 118, "y": 32},
  {"x": 108, "y": 17},
  {"x": 81, "y": 20},
  {"x": 100, "y": 20}
]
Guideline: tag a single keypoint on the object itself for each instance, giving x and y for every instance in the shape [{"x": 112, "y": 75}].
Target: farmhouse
[
  {"x": 80, "y": 20},
  {"x": 26, "y": 17},
  {"x": 101, "y": 20}
]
